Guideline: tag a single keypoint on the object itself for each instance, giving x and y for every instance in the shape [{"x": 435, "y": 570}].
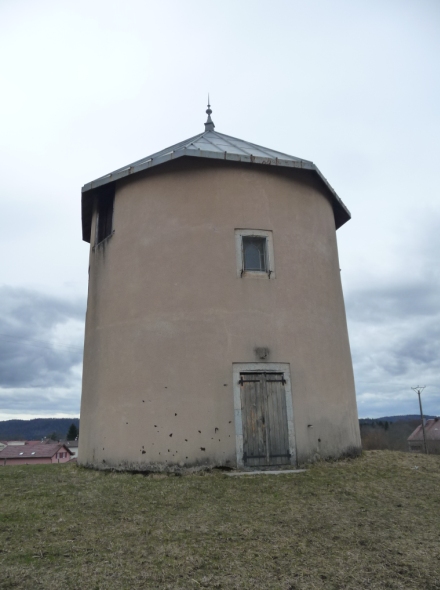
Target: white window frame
[
  {"x": 270, "y": 265},
  {"x": 284, "y": 368}
]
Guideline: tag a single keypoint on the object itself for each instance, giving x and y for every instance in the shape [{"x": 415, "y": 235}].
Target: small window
[
  {"x": 105, "y": 217},
  {"x": 33, "y": 453},
  {"x": 20, "y": 453},
  {"x": 254, "y": 253}
]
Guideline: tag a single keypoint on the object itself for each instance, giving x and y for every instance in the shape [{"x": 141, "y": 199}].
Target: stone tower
[{"x": 216, "y": 330}]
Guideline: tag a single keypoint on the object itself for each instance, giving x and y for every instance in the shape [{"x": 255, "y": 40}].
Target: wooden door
[{"x": 264, "y": 416}]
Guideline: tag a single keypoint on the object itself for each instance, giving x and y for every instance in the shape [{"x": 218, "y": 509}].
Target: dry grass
[{"x": 372, "y": 522}]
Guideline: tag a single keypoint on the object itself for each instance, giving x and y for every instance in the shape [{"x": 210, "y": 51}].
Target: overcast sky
[{"x": 89, "y": 86}]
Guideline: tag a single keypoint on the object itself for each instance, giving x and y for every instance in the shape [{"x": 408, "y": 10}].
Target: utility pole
[{"x": 419, "y": 390}]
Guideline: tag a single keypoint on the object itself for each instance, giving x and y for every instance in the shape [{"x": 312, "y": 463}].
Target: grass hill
[
  {"x": 402, "y": 418},
  {"x": 40, "y": 427},
  {"x": 367, "y": 523},
  {"x": 35, "y": 429},
  {"x": 388, "y": 432}
]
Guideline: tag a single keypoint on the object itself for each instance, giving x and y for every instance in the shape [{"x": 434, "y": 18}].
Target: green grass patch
[{"x": 371, "y": 522}]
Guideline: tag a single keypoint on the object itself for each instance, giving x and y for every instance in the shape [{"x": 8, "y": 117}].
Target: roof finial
[{"x": 209, "y": 125}]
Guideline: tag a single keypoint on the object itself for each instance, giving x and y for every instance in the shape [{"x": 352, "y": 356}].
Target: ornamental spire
[{"x": 209, "y": 125}]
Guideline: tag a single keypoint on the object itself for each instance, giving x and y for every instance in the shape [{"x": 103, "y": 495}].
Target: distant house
[
  {"x": 73, "y": 446},
  {"x": 15, "y": 443},
  {"x": 432, "y": 431},
  {"x": 35, "y": 454}
]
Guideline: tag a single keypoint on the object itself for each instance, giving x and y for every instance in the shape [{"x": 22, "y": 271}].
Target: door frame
[{"x": 238, "y": 368}]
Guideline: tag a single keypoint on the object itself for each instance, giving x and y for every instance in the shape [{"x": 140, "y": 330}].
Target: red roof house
[
  {"x": 415, "y": 440},
  {"x": 35, "y": 454}
]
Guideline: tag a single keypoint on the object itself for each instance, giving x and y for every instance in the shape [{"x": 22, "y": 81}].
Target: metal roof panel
[{"x": 211, "y": 144}]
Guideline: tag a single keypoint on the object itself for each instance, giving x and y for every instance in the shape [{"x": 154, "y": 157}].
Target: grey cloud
[
  {"x": 45, "y": 402},
  {"x": 373, "y": 133},
  {"x": 395, "y": 340},
  {"x": 423, "y": 348},
  {"x": 409, "y": 349},
  {"x": 29, "y": 356},
  {"x": 394, "y": 325},
  {"x": 393, "y": 301}
]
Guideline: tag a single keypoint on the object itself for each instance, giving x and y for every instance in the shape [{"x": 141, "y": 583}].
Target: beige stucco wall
[{"x": 167, "y": 317}]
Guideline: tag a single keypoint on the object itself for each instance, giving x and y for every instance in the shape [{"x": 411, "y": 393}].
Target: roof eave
[
  {"x": 197, "y": 153},
  {"x": 342, "y": 214}
]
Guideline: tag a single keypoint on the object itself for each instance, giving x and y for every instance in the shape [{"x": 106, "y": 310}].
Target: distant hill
[
  {"x": 40, "y": 427},
  {"x": 35, "y": 429},
  {"x": 403, "y": 418}
]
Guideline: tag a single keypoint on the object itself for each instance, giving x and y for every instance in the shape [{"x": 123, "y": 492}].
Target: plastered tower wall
[{"x": 167, "y": 317}]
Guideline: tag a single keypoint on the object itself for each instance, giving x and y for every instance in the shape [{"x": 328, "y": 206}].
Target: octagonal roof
[{"x": 218, "y": 146}]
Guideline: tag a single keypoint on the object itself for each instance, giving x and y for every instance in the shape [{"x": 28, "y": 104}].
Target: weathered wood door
[{"x": 264, "y": 416}]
